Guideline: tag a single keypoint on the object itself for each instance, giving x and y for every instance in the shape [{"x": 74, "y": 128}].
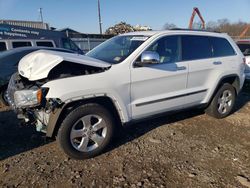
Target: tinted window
[
  {"x": 20, "y": 44},
  {"x": 44, "y": 43},
  {"x": 2, "y": 46},
  {"x": 221, "y": 47},
  {"x": 195, "y": 47},
  {"x": 69, "y": 44},
  {"x": 245, "y": 48},
  {"x": 168, "y": 49}
]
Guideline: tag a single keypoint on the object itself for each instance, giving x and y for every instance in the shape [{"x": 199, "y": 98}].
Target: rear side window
[
  {"x": 245, "y": 48},
  {"x": 221, "y": 47},
  {"x": 20, "y": 44},
  {"x": 45, "y": 44},
  {"x": 2, "y": 46},
  {"x": 195, "y": 47}
]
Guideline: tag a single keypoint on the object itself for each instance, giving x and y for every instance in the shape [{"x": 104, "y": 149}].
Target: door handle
[
  {"x": 181, "y": 68},
  {"x": 217, "y": 63}
]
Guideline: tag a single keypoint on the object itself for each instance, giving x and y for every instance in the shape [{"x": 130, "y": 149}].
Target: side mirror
[{"x": 148, "y": 57}]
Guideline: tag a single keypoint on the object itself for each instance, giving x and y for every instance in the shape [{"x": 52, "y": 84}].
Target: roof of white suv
[{"x": 179, "y": 31}]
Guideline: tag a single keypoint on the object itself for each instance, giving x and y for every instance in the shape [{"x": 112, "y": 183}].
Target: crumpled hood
[{"x": 37, "y": 65}]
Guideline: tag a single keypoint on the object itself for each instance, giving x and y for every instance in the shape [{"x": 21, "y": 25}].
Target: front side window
[
  {"x": 2, "y": 46},
  {"x": 168, "y": 49},
  {"x": 195, "y": 47},
  {"x": 117, "y": 48},
  {"x": 69, "y": 44},
  {"x": 21, "y": 44},
  {"x": 245, "y": 48},
  {"x": 221, "y": 47}
]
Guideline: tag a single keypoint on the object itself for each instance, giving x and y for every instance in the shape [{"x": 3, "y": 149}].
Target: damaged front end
[
  {"x": 28, "y": 100},
  {"x": 27, "y": 96}
]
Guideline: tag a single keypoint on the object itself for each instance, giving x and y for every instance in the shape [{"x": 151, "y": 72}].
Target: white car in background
[
  {"x": 244, "y": 46},
  {"x": 82, "y": 99}
]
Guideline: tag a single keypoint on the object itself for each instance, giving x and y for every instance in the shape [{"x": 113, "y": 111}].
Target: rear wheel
[
  {"x": 86, "y": 131},
  {"x": 223, "y": 102}
]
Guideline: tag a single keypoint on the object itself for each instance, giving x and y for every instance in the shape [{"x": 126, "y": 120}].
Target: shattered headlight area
[
  {"x": 23, "y": 94},
  {"x": 27, "y": 98},
  {"x": 12, "y": 88},
  {"x": 17, "y": 95}
]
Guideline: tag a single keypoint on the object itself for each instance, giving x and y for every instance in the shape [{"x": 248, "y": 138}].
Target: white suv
[{"x": 133, "y": 76}]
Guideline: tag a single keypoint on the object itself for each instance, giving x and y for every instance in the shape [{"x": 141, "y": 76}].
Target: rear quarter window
[
  {"x": 44, "y": 43},
  {"x": 195, "y": 47},
  {"x": 2, "y": 46},
  {"x": 21, "y": 44},
  {"x": 221, "y": 47}
]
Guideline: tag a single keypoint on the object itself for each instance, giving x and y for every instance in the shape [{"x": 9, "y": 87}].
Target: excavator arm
[
  {"x": 243, "y": 33},
  {"x": 196, "y": 11}
]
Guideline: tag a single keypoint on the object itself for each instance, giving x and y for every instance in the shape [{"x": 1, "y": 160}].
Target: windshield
[{"x": 117, "y": 48}]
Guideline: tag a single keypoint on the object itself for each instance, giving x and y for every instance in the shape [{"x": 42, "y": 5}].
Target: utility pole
[
  {"x": 41, "y": 14},
  {"x": 99, "y": 15}
]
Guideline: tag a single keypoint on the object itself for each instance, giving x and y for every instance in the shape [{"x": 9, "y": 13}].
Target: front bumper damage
[{"x": 36, "y": 115}]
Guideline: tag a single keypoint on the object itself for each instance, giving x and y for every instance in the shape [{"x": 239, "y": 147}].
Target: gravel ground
[{"x": 187, "y": 149}]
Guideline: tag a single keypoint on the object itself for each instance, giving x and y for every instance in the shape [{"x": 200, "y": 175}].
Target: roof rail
[{"x": 202, "y": 30}]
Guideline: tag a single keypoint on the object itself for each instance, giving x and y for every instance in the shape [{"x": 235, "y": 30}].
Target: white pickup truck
[{"x": 81, "y": 99}]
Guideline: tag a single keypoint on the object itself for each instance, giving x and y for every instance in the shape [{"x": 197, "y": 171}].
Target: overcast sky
[{"x": 82, "y": 15}]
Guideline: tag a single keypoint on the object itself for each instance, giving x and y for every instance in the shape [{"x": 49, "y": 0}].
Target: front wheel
[
  {"x": 223, "y": 102},
  {"x": 86, "y": 131}
]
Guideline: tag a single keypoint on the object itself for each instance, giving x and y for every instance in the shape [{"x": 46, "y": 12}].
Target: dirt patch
[{"x": 181, "y": 150}]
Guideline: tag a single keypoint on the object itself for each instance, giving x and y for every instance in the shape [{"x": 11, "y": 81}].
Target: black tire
[
  {"x": 2, "y": 96},
  {"x": 69, "y": 145},
  {"x": 215, "y": 108}
]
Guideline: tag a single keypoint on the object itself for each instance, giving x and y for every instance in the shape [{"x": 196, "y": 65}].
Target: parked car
[
  {"x": 9, "y": 61},
  {"x": 81, "y": 99},
  {"x": 244, "y": 46},
  {"x": 12, "y": 36}
]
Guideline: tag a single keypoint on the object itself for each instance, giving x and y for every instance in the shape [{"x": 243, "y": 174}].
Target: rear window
[
  {"x": 45, "y": 44},
  {"x": 195, "y": 47},
  {"x": 245, "y": 48},
  {"x": 2, "y": 46},
  {"x": 20, "y": 44},
  {"x": 221, "y": 47}
]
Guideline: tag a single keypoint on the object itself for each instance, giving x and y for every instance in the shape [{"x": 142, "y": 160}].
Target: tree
[
  {"x": 225, "y": 26},
  {"x": 223, "y": 22},
  {"x": 211, "y": 26},
  {"x": 169, "y": 26},
  {"x": 197, "y": 25}
]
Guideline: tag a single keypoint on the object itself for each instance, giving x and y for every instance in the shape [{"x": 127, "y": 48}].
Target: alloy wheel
[
  {"x": 88, "y": 133},
  {"x": 225, "y": 101}
]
